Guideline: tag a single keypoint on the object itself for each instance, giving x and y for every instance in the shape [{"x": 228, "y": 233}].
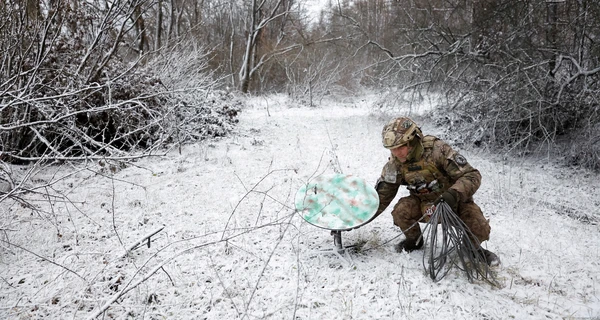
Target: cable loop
[{"x": 449, "y": 242}]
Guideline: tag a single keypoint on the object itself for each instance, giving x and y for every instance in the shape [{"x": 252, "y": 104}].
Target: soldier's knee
[
  {"x": 473, "y": 218},
  {"x": 480, "y": 227}
]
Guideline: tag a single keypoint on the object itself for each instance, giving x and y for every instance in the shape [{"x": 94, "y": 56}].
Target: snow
[{"x": 232, "y": 246}]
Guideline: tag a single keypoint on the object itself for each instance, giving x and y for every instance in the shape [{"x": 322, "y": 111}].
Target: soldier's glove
[{"x": 451, "y": 198}]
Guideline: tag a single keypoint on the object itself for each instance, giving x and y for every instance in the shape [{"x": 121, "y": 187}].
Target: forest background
[
  {"x": 100, "y": 83},
  {"x": 90, "y": 79}
]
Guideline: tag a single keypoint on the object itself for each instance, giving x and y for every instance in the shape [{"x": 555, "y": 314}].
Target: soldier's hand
[{"x": 451, "y": 198}]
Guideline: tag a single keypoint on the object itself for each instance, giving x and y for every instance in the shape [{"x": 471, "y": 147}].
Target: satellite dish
[{"x": 337, "y": 202}]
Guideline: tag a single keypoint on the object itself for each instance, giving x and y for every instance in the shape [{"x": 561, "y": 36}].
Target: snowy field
[{"x": 230, "y": 245}]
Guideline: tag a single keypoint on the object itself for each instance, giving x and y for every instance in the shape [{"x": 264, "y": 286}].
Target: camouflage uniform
[{"x": 431, "y": 168}]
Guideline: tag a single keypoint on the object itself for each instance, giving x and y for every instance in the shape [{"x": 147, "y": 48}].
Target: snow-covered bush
[{"x": 74, "y": 97}]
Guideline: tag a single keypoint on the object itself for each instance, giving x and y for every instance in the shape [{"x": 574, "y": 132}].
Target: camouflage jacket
[{"x": 436, "y": 170}]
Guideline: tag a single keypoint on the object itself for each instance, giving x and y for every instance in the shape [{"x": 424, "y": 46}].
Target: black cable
[{"x": 456, "y": 247}]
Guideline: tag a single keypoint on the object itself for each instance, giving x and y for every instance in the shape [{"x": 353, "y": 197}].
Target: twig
[
  {"x": 112, "y": 207},
  {"x": 141, "y": 240},
  {"x": 262, "y": 273},
  {"x": 337, "y": 167},
  {"x": 132, "y": 285},
  {"x": 247, "y": 194},
  {"x": 169, "y": 276},
  {"x": 222, "y": 283},
  {"x": 43, "y": 258}
]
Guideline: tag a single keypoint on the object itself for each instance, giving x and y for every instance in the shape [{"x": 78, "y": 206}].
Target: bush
[{"x": 67, "y": 95}]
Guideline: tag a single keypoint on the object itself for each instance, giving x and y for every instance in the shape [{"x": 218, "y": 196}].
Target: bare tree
[
  {"x": 262, "y": 15},
  {"x": 158, "y": 25}
]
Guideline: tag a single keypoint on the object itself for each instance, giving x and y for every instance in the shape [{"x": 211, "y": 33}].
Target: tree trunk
[
  {"x": 140, "y": 27},
  {"x": 249, "y": 52},
  {"x": 32, "y": 9},
  {"x": 245, "y": 71},
  {"x": 552, "y": 31},
  {"x": 158, "y": 26},
  {"x": 171, "y": 19},
  {"x": 231, "y": 46}
]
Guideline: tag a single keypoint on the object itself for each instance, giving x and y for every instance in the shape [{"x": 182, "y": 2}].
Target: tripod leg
[{"x": 337, "y": 241}]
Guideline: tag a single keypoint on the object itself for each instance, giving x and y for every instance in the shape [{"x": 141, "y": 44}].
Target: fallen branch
[{"x": 147, "y": 237}]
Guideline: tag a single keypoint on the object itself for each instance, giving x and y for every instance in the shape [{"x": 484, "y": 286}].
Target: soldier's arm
[
  {"x": 387, "y": 186},
  {"x": 387, "y": 192},
  {"x": 466, "y": 178}
]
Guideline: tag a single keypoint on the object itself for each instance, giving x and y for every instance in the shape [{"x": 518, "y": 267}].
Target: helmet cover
[{"x": 399, "y": 131}]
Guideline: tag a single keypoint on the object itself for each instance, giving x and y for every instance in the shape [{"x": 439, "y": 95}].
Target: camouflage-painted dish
[{"x": 337, "y": 202}]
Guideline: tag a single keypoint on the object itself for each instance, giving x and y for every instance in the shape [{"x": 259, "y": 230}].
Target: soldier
[{"x": 433, "y": 172}]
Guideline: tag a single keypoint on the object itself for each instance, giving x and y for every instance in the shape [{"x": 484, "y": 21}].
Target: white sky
[
  {"x": 241, "y": 188},
  {"x": 315, "y": 6}
]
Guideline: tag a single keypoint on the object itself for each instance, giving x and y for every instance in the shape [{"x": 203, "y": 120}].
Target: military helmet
[{"x": 399, "y": 132}]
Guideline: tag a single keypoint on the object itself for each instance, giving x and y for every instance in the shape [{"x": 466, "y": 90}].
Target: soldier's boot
[
  {"x": 489, "y": 257},
  {"x": 409, "y": 245}
]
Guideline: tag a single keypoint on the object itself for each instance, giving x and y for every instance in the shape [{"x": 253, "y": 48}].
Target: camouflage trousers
[{"x": 410, "y": 210}]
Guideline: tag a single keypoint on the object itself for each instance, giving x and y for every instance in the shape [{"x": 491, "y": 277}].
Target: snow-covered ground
[{"x": 232, "y": 247}]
